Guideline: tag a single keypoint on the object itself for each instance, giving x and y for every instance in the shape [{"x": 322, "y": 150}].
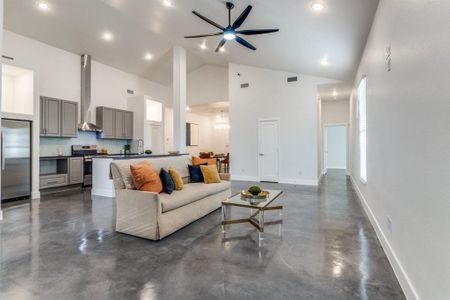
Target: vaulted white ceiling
[{"x": 139, "y": 26}]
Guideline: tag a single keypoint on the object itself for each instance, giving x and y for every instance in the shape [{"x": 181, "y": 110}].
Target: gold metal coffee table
[{"x": 261, "y": 205}]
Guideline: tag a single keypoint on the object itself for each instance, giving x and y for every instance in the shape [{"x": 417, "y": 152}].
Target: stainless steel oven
[{"x": 86, "y": 152}]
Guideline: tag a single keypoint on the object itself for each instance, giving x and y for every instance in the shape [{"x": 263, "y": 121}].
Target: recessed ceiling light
[
  {"x": 42, "y": 5},
  {"x": 335, "y": 94},
  {"x": 188, "y": 108},
  {"x": 324, "y": 61},
  {"x": 167, "y": 3},
  {"x": 148, "y": 56},
  {"x": 203, "y": 46},
  {"x": 317, "y": 6},
  {"x": 107, "y": 36}
]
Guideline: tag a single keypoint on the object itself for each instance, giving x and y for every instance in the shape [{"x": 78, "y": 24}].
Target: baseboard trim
[
  {"x": 308, "y": 182},
  {"x": 282, "y": 180},
  {"x": 35, "y": 195},
  {"x": 244, "y": 178},
  {"x": 405, "y": 283},
  {"x": 103, "y": 193}
]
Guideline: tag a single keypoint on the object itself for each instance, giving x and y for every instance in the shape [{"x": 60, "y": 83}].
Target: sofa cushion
[
  {"x": 200, "y": 161},
  {"x": 167, "y": 182},
  {"x": 177, "y": 180},
  {"x": 196, "y": 173},
  {"x": 210, "y": 174},
  {"x": 191, "y": 193},
  {"x": 145, "y": 178}
]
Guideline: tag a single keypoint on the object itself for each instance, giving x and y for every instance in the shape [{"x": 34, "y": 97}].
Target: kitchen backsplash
[{"x": 51, "y": 146}]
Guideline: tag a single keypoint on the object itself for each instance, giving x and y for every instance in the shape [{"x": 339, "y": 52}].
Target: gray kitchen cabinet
[
  {"x": 50, "y": 117},
  {"x": 69, "y": 119},
  {"x": 128, "y": 124},
  {"x": 119, "y": 129},
  {"x": 106, "y": 121},
  {"x": 115, "y": 123},
  {"x": 59, "y": 118},
  {"x": 50, "y": 181},
  {"x": 76, "y": 170}
]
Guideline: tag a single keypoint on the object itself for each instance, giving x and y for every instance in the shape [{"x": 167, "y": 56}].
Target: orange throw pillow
[
  {"x": 145, "y": 178},
  {"x": 199, "y": 161}
]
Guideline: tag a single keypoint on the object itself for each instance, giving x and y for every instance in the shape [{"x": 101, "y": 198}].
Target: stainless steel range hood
[{"x": 85, "y": 106}]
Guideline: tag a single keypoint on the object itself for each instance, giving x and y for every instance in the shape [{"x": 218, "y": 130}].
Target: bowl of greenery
[{"x": 255, "y": 190}]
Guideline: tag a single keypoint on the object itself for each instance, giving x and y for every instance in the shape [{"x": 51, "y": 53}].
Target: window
[
  {"x": 154, "y": 111},
  {"x": 362, "y": 113}
]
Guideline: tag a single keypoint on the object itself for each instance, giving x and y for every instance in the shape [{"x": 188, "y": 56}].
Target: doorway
[
  {"x": 268, "y": 140},
  {"x": 335, "y": 147}
]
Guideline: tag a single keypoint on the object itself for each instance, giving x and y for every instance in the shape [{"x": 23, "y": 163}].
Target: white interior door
[
  {"x": 335, "y": 147},
  {"x": 154, "y": 139},
  {"x": 268, "y": 150}
]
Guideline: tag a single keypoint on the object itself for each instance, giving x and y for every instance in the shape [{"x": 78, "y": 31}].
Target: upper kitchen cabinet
[
  {"x": 58, "y": 118},
  {"x": 106, "y": 121},
  {"x": 115, "y": 123},
  {"x": 69, "y": 119}
]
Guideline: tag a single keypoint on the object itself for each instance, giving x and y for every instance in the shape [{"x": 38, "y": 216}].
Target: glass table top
[{"x": 238, "y": 200}]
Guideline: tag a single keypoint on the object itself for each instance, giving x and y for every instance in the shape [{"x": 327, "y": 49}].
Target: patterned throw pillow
[
  {"x": 177, "y": 180},
  {"x": 167, "y": 182},
  {"x": 145, "y": 178},
  {"x": 195, "y": 173},
  {"x": 210, "y": 174}
]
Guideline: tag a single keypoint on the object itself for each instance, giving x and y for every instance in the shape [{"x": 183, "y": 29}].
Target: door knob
[{"x": 261, "y": 154}]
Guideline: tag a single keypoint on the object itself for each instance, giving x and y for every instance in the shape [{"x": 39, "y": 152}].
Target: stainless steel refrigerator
[{"x": 16, "y": 159}]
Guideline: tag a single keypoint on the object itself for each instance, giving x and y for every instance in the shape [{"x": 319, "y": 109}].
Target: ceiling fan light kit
[{"x": 230, "y": 33}]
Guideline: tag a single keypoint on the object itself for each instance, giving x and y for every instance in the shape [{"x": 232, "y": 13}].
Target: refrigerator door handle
[{"x": 3, "y": 152}]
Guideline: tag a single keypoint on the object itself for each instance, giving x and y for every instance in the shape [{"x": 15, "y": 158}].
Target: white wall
[
  {"x": 408, "y": 138},
  {"x": 270, "y": 96},
  {"x": 207, "y": 84},
  {"x": 59, "y": 74},
  {"x": 336, "y": 147},
  {"x": 210, "y": 139},
  {"x": 1, "y": 50},
  {"x": 18, "y": 90},
  {"x": 334, "y": 112}
]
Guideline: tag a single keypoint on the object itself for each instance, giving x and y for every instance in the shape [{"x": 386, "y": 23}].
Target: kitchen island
[{"x": 102, "y": 185}]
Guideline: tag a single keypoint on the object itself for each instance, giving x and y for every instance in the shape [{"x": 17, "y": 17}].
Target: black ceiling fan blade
[
  {"x": 256, "y": 31},
  {"x": 222, "y": 42},
  {"x": 240, "y": 20},
  {"x": 245, "y": 43},
  {"x": 202, "y": 35},
  {"x": 208, "y": 20}
]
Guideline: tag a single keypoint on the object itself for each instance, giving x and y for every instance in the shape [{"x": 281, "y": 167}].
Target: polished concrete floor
[{"x": 65, "y": 247}]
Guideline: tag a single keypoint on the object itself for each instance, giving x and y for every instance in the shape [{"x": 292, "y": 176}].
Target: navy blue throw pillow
[
  {"x": 196, "y": 173},
  {"x": 167, "y": 181}
]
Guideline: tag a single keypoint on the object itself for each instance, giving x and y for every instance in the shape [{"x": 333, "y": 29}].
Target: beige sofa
[{"x": 155, "y": 216}]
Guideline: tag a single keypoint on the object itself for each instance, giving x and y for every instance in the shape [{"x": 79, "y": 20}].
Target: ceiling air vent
[
  {"x": 244, "y": 85},
  {"x": 292, "y": 79}
]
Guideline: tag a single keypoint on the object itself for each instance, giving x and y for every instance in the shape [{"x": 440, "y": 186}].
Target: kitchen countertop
[
  {"x": 57, "y": 156},
  {"x": 132, "y": 156}
]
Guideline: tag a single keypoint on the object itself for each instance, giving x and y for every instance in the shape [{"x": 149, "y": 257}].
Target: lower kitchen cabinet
[{"x": 75, "y": 170}]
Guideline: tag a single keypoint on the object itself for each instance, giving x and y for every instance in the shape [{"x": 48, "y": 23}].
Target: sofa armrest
[
  {"x": 137, "y": 213},
  {"x": 224, "y": 176}
]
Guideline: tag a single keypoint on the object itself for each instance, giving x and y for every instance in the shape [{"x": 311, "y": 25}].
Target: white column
[{"x": 179, "y": 99}]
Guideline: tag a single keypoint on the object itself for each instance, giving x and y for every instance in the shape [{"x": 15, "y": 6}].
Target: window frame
[{"x": 362, "y": 129}]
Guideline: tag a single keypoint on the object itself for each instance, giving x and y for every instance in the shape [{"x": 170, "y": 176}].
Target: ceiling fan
[{"x": 230, "y": 33}]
